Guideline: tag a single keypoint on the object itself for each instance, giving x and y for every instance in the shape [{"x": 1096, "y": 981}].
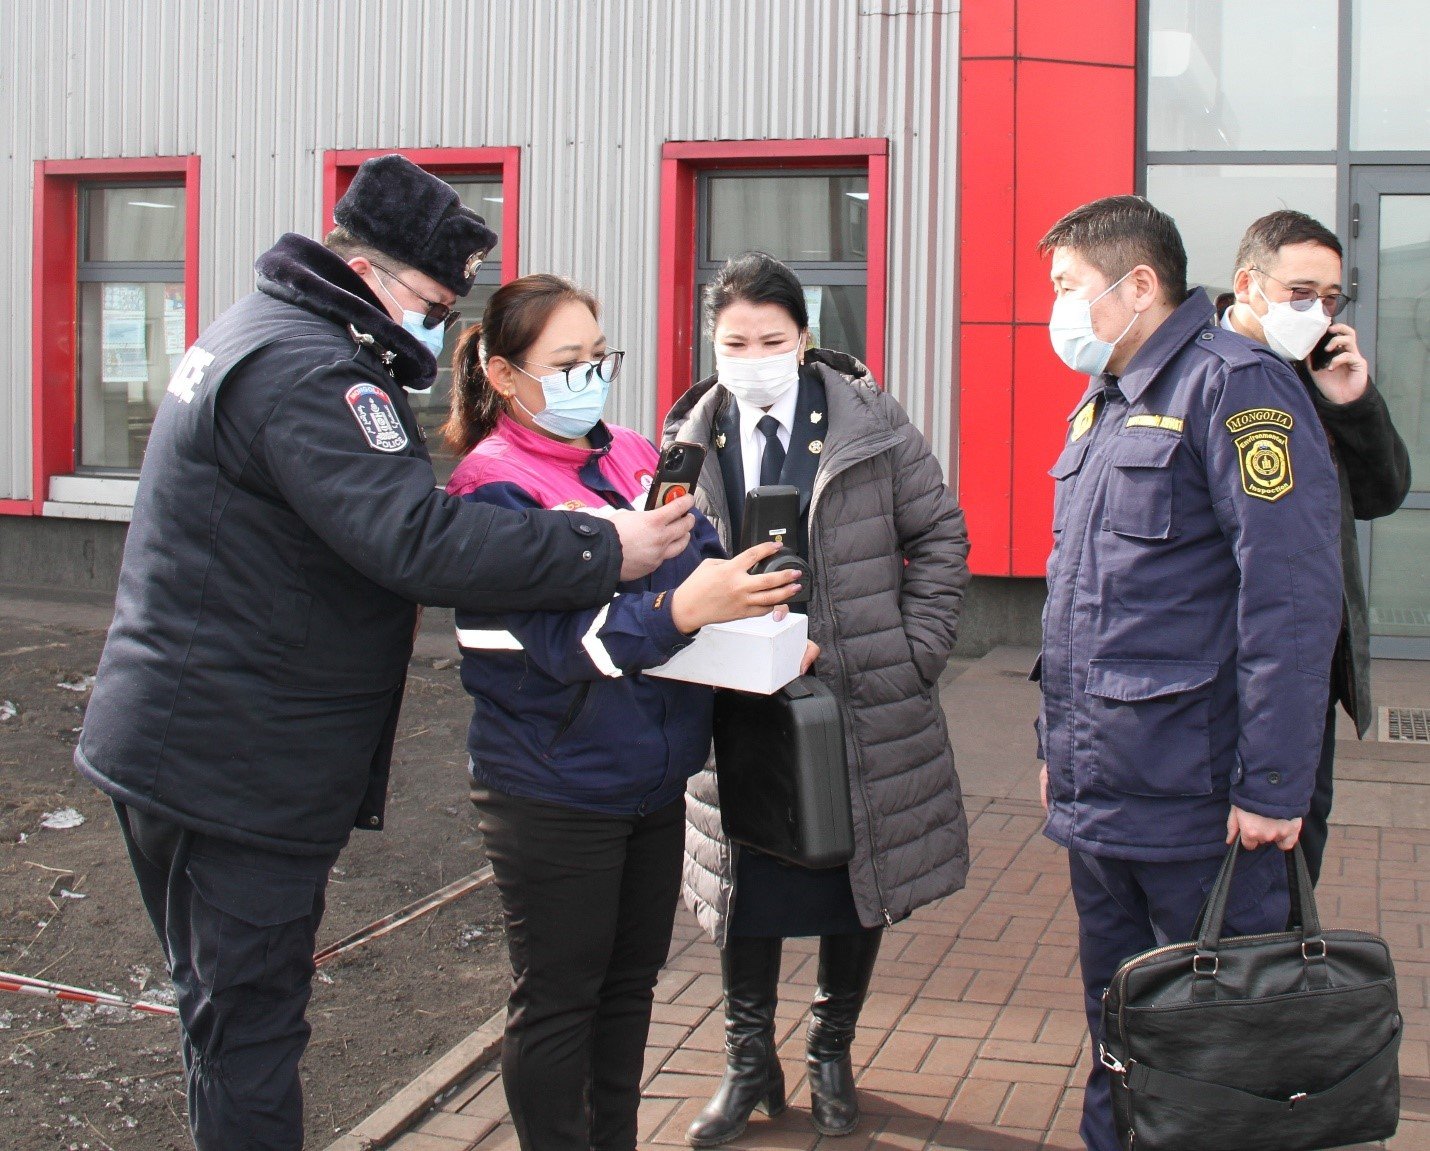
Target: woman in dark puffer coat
[{"x": 889, "y": 551}]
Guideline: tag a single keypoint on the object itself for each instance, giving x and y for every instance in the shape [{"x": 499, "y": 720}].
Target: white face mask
[
  {"x": 1076, "y": 344},
  {"x": 1290, "y": 332},
  {"x": 759, "y": 382}
]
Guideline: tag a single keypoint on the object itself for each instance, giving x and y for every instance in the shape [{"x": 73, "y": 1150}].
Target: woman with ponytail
[{"x": 578, "y": 760}]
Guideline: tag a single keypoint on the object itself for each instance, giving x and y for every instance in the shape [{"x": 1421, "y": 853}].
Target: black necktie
[{"x": 773, "y": 461}]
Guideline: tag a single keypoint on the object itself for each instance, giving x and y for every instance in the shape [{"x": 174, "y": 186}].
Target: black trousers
[
  {"x": 589, "y": 901},
  {"x": 1315, "y": 828},
  {"x": 237, "y": 925}
]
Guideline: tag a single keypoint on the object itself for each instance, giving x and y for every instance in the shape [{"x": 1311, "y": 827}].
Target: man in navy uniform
[
  {"x": 1194, "y": 598},
  {"x": 286, "y": 526}
]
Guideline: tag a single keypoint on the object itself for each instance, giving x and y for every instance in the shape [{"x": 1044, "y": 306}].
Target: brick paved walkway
[{"x": 973, "y": 1037}]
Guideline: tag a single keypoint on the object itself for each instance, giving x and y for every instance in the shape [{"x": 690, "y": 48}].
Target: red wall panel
[
  {"x": 987, "y": 29},
  {"x": 1101, "y": 32},
  {"x": 985, "y": 193},
  {"x": 1066, "y": 155},
  {"x": 986, "y": 446},
  {"x": 1039, "y": 134}
]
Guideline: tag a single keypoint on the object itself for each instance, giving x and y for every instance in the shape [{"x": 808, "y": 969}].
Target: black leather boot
[
  {"x": 846, "y": 963},
  {"x": 753, "y": 1077}
]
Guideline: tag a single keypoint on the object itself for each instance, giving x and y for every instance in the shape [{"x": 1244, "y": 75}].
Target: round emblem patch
[{"x": 1265, "y": 464}]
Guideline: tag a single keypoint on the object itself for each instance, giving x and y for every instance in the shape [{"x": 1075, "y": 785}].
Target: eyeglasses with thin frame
[
  {"x": 436, "y": 313},
  {"x": 608, "y": 367},
  {"x": 1332, "y": 303}
]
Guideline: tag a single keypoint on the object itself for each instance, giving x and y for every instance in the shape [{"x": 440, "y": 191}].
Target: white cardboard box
[{"x": 757, "y": 655}]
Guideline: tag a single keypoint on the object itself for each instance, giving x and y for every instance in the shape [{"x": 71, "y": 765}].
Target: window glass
[
  {"x": 794, "y": 218},
  {"x": 1234, "y": 75},
  {"x": 134, "y": 223},
  {"x": 1213, "y": 204},
  {"x": 483, "y": 196},
  {"x": 1390, "y": 83},
  {"x": 131, "y": 338},
  {"x": 130, "y": 322}
]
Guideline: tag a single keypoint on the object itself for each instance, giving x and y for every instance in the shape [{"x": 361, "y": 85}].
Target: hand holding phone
[
  {"x": 1321, "y": 355},
  {"x": 676, "y": 475}
]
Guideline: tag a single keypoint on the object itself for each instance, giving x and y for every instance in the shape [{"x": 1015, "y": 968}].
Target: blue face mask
[
  {"x": 431, "y": 338},
  {"x": 415, "y": 323},
  {"x": 571, "y": 409}
]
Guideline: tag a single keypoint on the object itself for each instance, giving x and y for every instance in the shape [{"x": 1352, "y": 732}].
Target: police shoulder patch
[
  {"x": 377, "y": 417},
  {"x": 1263, "y": 450}
]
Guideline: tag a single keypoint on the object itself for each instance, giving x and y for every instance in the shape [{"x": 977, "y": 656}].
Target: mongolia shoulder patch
[
  {"x": 1263, "y": 448},
  {"x": 378, "y": 419}
]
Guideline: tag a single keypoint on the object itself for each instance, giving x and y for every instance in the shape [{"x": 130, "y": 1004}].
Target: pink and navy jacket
[{"x": 563, "y": 713}]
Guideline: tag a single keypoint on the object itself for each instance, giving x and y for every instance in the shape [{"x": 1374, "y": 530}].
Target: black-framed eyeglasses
[
  {"x": 436, "y": 313},
  {"x": 1333, "y": 303},
  {"x": 578, "y": 375}
]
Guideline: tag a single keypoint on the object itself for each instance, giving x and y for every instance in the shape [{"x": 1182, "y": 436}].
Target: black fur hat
[{"x": 416, "y": 218}]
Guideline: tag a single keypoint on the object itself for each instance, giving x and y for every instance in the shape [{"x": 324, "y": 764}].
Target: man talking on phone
[{"x": 1287, "y": 295}]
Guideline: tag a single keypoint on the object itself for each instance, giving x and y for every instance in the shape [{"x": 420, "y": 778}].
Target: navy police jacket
[
  {"x": 287, "y": 523},
  {"x": 562, "y": 710},
  {"x": 1194, "y": 598}
]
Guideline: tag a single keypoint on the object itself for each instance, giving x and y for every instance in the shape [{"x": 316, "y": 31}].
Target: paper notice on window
[
  {"x": 122, "y": 334},
  {"x": 174, "y": 340},
  {"x": 813, "y": 299}
]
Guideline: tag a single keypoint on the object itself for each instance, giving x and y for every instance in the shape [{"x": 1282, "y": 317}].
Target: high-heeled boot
[
  {"x": 753, "y": 1078},
  {"x": 846, "y": 963}
]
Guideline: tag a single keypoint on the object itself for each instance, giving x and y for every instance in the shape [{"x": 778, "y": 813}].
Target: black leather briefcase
[
  {"x": 782, "y": 773},
  {"x": 1279, "y": 1042}
]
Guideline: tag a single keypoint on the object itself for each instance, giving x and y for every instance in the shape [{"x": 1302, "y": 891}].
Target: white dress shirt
[{"x": 752, "y": 440}]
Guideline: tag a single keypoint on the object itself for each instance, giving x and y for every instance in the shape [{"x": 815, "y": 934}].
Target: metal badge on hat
[{"x": 474, "y": 261}]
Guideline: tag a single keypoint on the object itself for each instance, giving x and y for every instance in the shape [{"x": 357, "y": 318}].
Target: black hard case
[{"x": 782, "y": 774}]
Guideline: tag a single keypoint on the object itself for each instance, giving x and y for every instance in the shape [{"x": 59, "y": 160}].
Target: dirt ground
[{"x": 79, "y": 1077}]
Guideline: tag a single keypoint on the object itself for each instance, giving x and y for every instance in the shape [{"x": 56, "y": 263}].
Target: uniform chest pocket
[
  {"x": 1140, "y": 496},
  {"x": 1150, "y": 724},
  {"x": 1068, "y": 465}
]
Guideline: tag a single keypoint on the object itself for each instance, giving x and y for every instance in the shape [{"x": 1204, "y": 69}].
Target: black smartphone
[
  {"x": 1321, "y": 355},
  {"x": 676, "y": 474}
]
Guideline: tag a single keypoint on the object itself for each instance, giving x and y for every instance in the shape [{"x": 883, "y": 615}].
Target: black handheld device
[
  {"x": 676, "y": 474},
  {"x": 1321, "y": 355},
  {"x": 772, "y": 514}
]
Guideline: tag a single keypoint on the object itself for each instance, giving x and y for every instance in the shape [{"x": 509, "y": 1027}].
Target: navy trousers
[
  {"x": 237, "y": 925},
  {"x": 1126, "y": 907}
]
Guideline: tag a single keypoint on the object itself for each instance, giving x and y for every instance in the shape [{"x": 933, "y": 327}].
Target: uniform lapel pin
[
  {"x": 720, "y": 441},
  {"x": 816, "y": 446},
  {"x": 815, "y": 417}
]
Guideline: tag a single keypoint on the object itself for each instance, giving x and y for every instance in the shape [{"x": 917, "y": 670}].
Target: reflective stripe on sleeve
[
  {"x": 477, "y": 639},
  {"x": 591, "y": 641}
]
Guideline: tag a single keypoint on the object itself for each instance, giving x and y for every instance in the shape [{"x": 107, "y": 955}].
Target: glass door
[{"x": 1392, "y": 319}]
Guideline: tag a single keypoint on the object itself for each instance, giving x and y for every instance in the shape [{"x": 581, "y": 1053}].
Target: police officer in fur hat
[{"x": 287, "y": 524}]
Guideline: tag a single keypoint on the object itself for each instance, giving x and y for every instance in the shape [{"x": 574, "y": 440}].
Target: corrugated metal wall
[{"x": 590, "y": 89}]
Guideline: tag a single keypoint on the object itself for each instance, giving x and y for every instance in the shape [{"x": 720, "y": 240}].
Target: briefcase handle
[{"x": 1303, "y": 916}]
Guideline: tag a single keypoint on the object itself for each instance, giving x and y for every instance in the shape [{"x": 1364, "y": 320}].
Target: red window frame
[
  {"x": 340, "y": 165},
  {"x": 680, "y": 162},
  {"x": 55, "y": 292}
]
